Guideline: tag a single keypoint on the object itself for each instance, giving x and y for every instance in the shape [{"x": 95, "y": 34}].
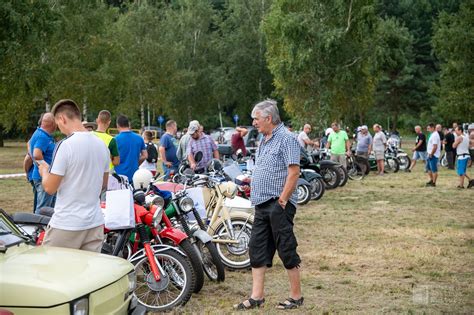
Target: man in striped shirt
[{"x": 273, "y": 193}]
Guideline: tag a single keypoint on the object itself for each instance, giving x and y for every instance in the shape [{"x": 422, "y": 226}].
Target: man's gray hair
[{"x": 267, "y": 108}]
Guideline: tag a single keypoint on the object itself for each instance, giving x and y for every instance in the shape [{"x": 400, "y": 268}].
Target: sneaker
[
  {"x": 460, "y": 187},
  {"x": 430, "y": 184},
  {"x": 408, "y": 170}
]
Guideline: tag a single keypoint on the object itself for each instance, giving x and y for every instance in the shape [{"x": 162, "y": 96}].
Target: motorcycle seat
[
  {"x": 30, "y": 218},
  {"x": 327, "y": 163}
]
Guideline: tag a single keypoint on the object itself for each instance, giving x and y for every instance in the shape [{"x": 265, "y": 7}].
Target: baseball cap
[
  {"x": 364, "y": 127},
  {"x": 328, "y": 131},
  {"x": 470, "y": 127},
  {"x": 193, "y": 127}
]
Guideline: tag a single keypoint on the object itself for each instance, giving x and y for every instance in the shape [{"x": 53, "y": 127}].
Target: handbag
[{"x": 119, "y": 212}]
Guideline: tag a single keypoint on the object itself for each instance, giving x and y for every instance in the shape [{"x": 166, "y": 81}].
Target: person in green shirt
[
  {"x": 339, "y": 144},
  {"x": 103, "y": 122}
]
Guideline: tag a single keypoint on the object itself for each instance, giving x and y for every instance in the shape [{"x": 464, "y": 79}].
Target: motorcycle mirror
[{"x": 198, "y": 156}]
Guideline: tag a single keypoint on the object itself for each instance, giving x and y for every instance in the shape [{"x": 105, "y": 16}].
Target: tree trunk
[{"x": 1, "y": 137}]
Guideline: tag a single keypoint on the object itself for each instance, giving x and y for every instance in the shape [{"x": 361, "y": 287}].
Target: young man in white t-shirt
[
  {"x": 434, "y": 151},
  {"x": 78, "y": 173}
]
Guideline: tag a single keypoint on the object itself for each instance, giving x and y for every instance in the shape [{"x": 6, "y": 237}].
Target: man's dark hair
[
  {"x": 148, "y": 135},
  {"x": 123, "y": 122},
  {"x": 67, "y": 107},
  {"x": 459, "y": 128},
  {"x": 431, "y": 125}
]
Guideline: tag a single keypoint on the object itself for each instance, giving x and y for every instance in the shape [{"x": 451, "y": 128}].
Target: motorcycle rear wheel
[
  {"x": 168, "y": 293},
  {"x": 404, "y": 162},
  {"x": 391, "y": 165},
  {"x": 356, "y": 171}
]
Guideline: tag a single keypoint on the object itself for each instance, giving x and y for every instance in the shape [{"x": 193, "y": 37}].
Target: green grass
[
  {"x": 11, "y": 157},
  {"x": 380, "y": 245}
]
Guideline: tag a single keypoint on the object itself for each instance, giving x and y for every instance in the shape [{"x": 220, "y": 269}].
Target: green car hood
[{"x": 44, "y": 276}]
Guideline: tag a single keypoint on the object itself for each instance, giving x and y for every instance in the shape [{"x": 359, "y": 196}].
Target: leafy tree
[
  {"x": 454, "y": 45},
  {"x": 320, "y": 55}
]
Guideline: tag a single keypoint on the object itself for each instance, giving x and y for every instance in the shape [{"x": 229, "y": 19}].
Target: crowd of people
[{"x": 458, "y": 146}]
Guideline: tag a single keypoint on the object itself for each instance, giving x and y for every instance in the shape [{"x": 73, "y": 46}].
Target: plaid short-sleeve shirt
[{"x": 273, "y": 158}]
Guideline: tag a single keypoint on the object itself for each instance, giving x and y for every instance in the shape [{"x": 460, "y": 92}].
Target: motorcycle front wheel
[
  {"x": 304, "y": 194},
  {"x": 391, "y": 165},
  {"x": 331, "y": 177},
  {"x": 317, "y": 188},
  {"x": 235, "y": 256},
  {"x": 211, "y": 261},
  {"x": 173, "y": 289},
  {"x": 343, "y": 176},
  {"x": 404, "y": 162},
  {"x": 356, "y": 171}
]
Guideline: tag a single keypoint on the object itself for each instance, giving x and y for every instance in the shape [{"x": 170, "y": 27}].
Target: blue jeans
[
  {"x": 43, "y": 199},
  {"x": 35, "y": 195},
  {"x": 432, "y": 164},
  {"x": 167, "y": 170}
]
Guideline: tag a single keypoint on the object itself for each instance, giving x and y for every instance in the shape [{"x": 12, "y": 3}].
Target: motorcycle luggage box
[
  {"x": 30, "y": 218},
  {"x": 239, "y": 204}
]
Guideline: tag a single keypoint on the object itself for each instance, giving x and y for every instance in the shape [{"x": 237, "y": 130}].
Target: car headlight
[
  {"x": 186, "y": 204},
  {"x": 132, "y": 282},
  {"x": 157, "y": 217},
  {"x": 80, "y": 307}
]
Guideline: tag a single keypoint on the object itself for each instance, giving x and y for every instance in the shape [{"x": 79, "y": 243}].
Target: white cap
[
  {"x": 328, "y": 131},
  {"x": 193, "y": 127}
]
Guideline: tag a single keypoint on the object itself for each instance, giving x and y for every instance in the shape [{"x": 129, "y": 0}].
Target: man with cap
[
  {"x": 184, "y": 141},
  {"x": 200, "y": 142},
  {"x": 364, "y": 142}
]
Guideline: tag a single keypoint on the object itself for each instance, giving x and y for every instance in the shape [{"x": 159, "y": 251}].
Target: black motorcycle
[{"x": 327, "y": 169}]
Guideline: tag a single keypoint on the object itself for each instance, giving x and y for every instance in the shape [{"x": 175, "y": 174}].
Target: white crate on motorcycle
[
  {"x": 196, "y": 194},
  {"x": 239, "y": 204}
]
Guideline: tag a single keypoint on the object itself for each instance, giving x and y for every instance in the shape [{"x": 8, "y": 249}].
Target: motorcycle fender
[
  {"x": 156, "y": 249},
  {"x": 233, "y": 214},
  {"x": 173, "y": 234},
  {"x": 310, "y": 175},
  {"x": 402, "y": 154},
  {"x": 302, "y": 181},
  {"x": 203, "y": 236},
  {"x": 328, "y": 163}
]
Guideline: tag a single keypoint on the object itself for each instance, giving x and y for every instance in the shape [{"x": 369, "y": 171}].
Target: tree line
[{"x": 354, "y": 61}]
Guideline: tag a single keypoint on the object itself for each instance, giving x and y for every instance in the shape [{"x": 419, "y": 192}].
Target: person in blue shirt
[
  {"x": 131, "y": 147},
  {"x": 41, "y": 148},
  {"x": 168, "y": 147}
]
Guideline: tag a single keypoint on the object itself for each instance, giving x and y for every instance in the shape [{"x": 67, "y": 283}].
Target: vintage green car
[{"x": 52, "y": 280}]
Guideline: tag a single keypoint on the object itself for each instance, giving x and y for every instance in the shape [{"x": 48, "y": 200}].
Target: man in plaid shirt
[
  {"x": 200, "y": 142},
  {"x": 273, "y": 193}
]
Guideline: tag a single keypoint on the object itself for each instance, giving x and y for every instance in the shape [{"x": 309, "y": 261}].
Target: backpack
[{"x": 152, "y": 153}]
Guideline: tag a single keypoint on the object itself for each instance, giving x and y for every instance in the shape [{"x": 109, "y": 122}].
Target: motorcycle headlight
[
  {"x": 157, "y": 216},
  {"x": 80, "y": 307},
  {"x": 186, "y": 204},
  {"x": 228, "y": 189},
  {"x": 158, "y": 201}
]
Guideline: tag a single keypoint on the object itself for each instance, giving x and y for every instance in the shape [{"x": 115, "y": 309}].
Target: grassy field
[{"x": 381, "y": 245}]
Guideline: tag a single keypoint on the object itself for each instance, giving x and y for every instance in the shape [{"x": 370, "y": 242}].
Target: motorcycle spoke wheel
[
  {"x": 235, "y": 256},
  {"x": 211, "y": 262},
  {"x": 172, "y": 290}
]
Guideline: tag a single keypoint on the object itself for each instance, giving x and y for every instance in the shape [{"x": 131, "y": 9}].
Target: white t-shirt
[
  {"x": 82, "y": 159},
  {"x": 379, "y": 141},
  {"x": 301, "y": 138},
  {"x": 434, "y": 139}
]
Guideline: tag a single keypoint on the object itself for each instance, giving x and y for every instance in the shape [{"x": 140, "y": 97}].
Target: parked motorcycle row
[{"x": 199, "y": 225}]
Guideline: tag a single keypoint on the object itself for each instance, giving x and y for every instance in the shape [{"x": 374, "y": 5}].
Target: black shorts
[{"x": 272, "y": 231}]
